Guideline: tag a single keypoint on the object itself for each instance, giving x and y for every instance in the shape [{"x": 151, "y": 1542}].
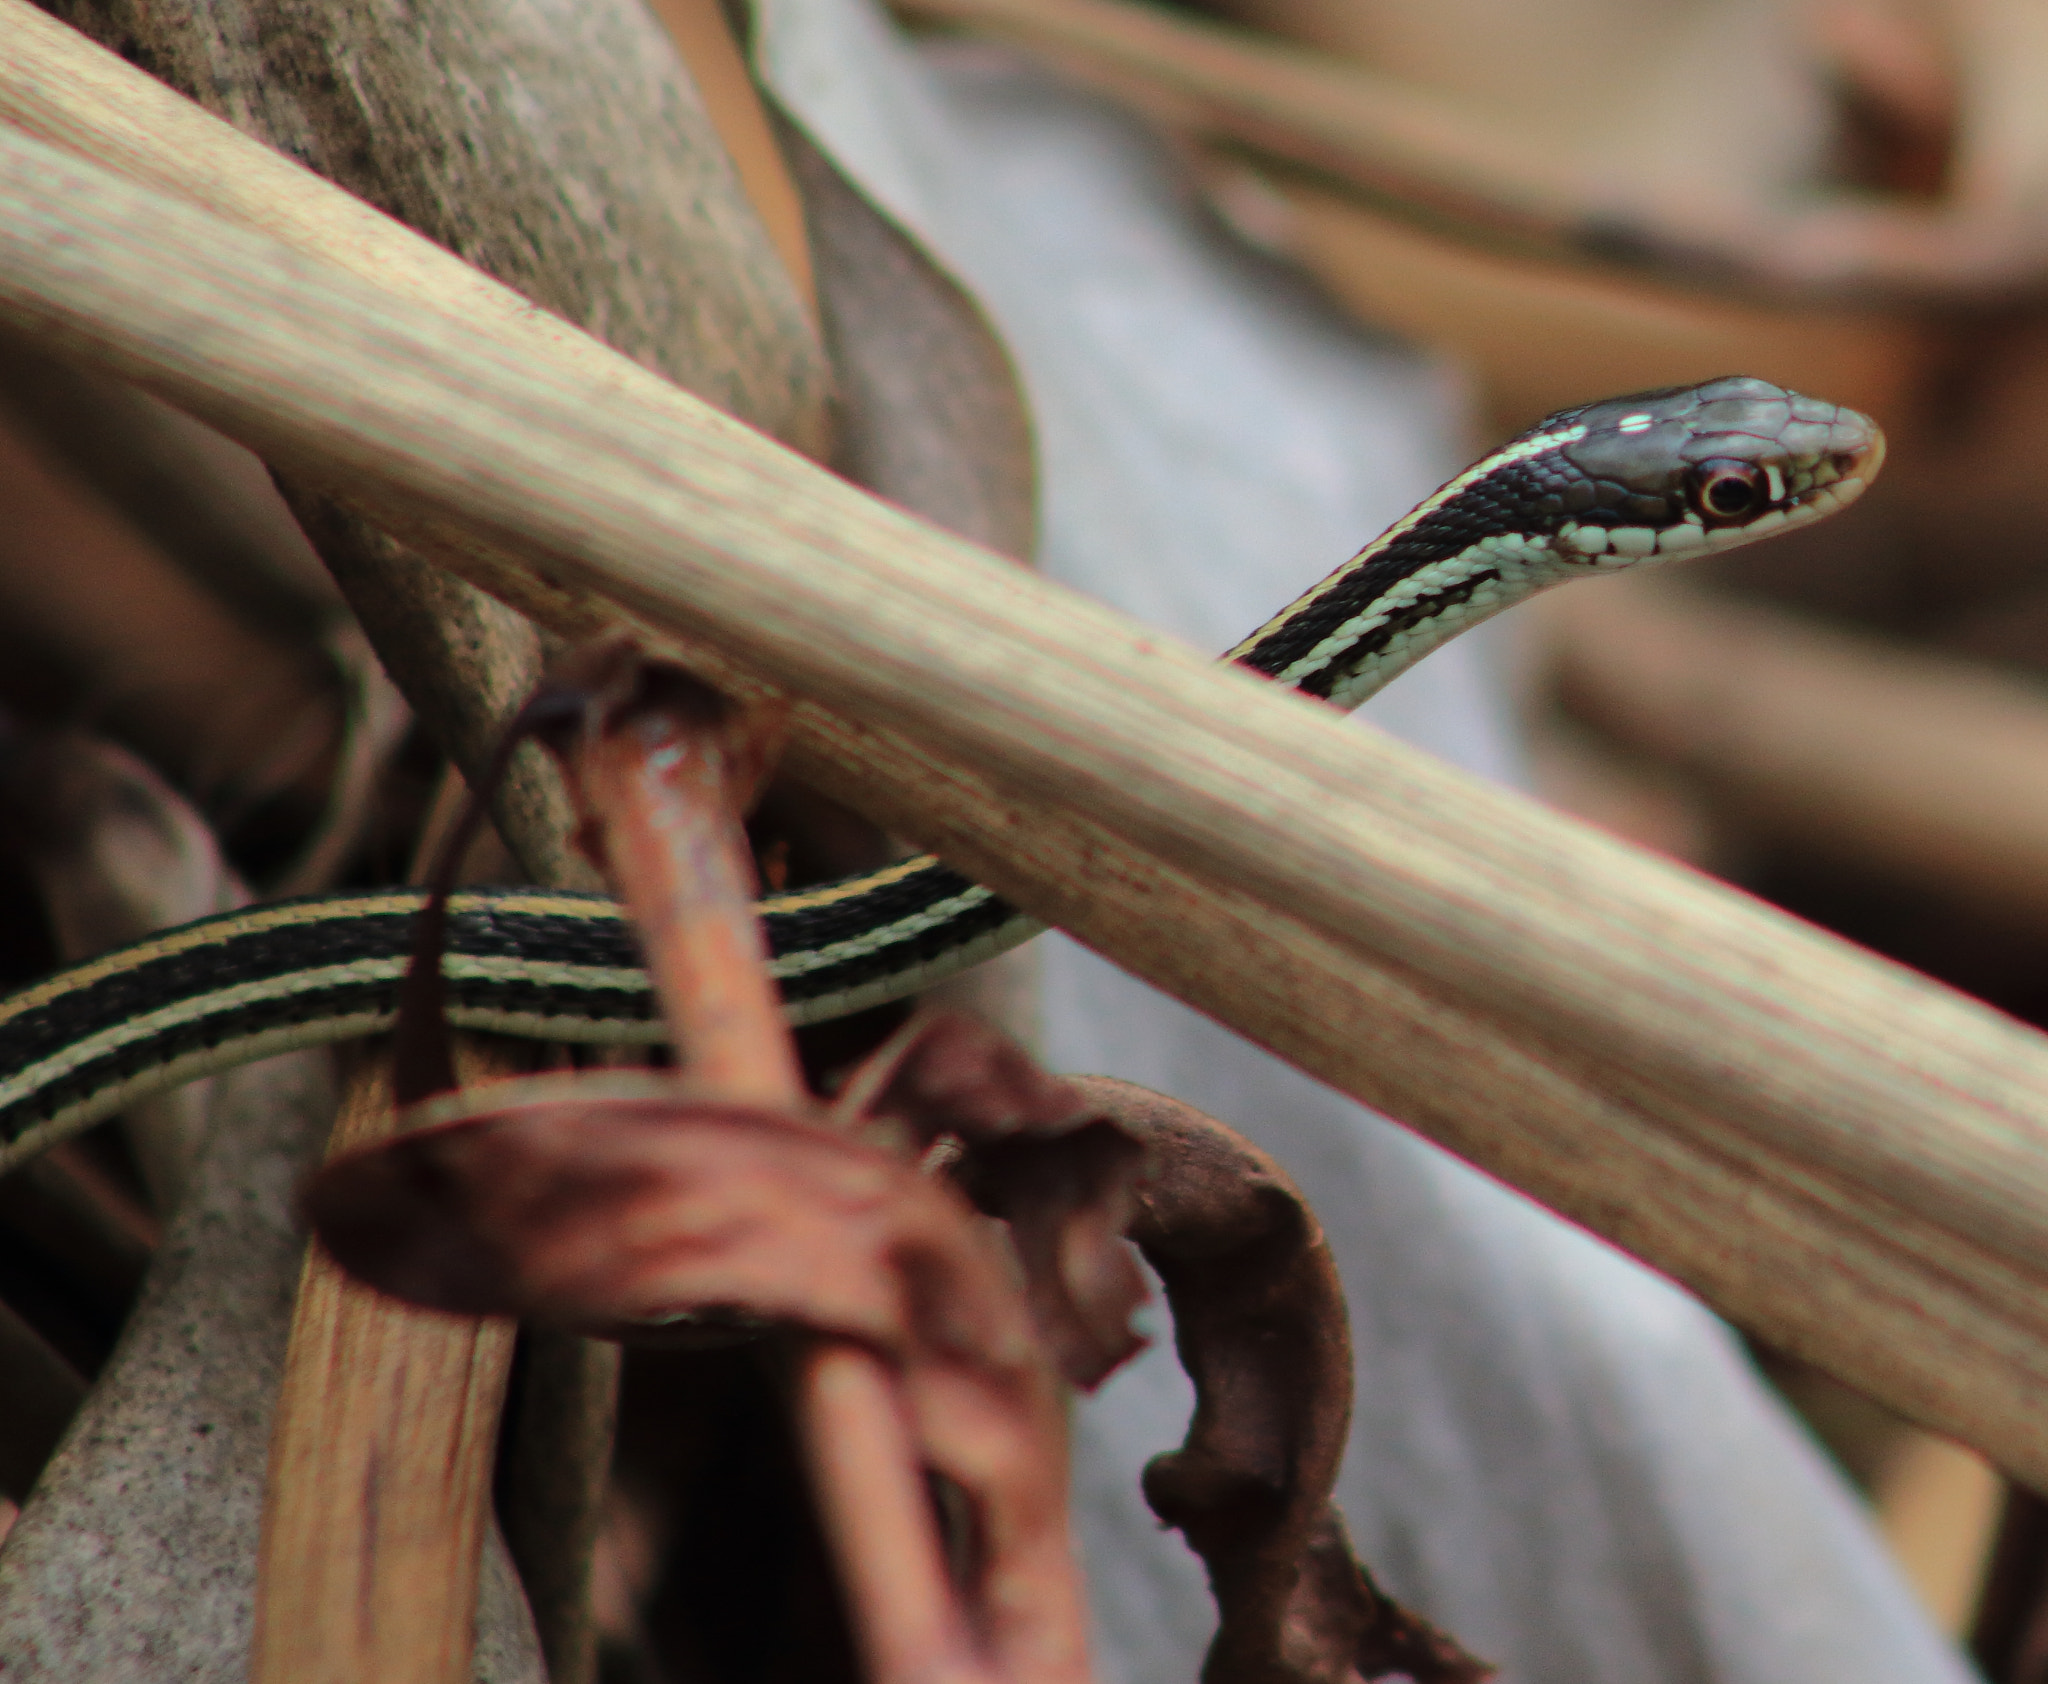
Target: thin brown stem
[
  {"x": 665, "y": 785},
  {"x": 662, "y": 777},
  {"x": 859, "y": 1447}
]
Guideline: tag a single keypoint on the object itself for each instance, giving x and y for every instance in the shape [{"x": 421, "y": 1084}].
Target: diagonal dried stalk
[{"x": 1845, "y": 1158}]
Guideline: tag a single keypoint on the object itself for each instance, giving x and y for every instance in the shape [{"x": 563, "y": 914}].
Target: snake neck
[{"x": 1383, "y": 611}]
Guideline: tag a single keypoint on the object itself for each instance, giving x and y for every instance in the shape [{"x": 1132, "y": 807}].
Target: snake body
[{"x": 1613, "y": 484}]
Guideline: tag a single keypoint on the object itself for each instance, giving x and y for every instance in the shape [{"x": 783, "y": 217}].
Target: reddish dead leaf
[
  {"x": 622, "y": 1205},
  {"x": 615, "y": 1205}
]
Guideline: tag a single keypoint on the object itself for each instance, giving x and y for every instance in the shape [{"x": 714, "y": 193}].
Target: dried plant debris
[
  {"x": 614, "y": 1202},
  {"x": 948, "y": 1231},
  {"x": 631, "y": 1204},
  {"x": 1028, "y": 1148},
  {"x": 1260, "y": 1325}
]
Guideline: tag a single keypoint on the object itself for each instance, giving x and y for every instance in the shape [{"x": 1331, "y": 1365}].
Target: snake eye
[{"x": 1724, "y": 491}]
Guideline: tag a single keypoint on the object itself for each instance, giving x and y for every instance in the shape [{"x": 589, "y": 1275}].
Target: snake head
[{"x": 1696, "y": 468}]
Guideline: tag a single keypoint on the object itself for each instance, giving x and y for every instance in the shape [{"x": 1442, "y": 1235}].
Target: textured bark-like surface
[
  {"x": 559, "y": 147},
  {"x": 1260, "y": 1325},
  {"x": 134, "y": 1562},
  {"x": 562, "y": 150},
  {"x": 465, "y": 662}
]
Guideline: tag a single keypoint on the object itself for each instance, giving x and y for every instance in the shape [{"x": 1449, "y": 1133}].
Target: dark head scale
[{"x": 1699, "y": 467}]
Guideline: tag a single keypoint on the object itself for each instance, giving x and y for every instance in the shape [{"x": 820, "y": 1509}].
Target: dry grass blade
[
  {"x": 1840, "y": 1155},
  {"x": 378, "y": 1494}
]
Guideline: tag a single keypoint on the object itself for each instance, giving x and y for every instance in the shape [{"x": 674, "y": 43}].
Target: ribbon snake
[{"x": 1614, "y": 484}]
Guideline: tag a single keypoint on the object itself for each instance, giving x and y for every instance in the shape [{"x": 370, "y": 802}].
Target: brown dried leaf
[
  {"x": 931, "y": 414},
  {"x": 617, "y": 1205},
  {"x": 1260, "y": 1326},
  {"x": 614, "y": 1204},
  {"x": 1035, "y": 1153}
]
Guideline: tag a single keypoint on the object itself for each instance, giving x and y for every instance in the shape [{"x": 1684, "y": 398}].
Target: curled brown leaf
[
  {"x": 1260, "y": 1325},
  {"x": 1034, "y": 1152}
]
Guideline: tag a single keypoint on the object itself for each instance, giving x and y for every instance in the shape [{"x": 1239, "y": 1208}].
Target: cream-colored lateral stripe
[
  {"x": 458, "y": 968},
  {"x": 62, "y": 1062},
  {"x": 239, "y": 996},
  {"x": 238, "y": 1050},
  {"x": 875, "y": 940},
  {"x": 184, "y": 941},
  {"x": 539, "y": 903},
  {"x": 117, "y": 1097},
  {"x": 1520, "y": 451},
  {"x": 1438, "y": 577},
  {"x": 260, "y": 919},
  {"x": 895, "y": 983},
  {"x": 830, "y": 894}
]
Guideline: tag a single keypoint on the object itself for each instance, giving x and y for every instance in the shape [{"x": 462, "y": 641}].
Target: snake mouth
[
  {"x": 1836, "y": 477},
  {"x": 1856, "y": 465}
]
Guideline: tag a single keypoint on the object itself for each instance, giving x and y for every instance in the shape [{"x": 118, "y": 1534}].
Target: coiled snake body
[{"x": 1614, "y": 484}]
